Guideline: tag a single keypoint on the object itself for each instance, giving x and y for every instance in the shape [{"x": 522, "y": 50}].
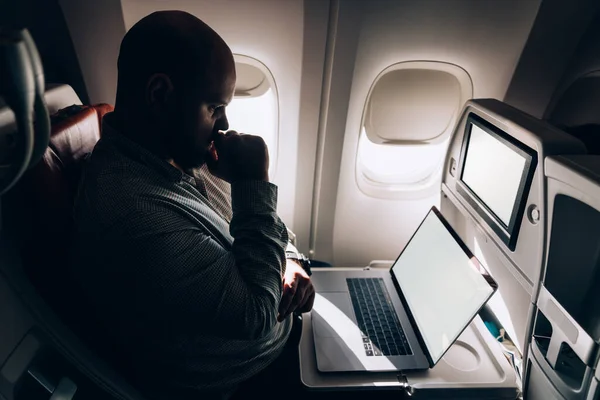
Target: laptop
[{"x": 404, "y": 318}]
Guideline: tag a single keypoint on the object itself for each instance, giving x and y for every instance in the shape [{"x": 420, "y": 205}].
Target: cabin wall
[
  {"x": 583, "y": 96},
  {"x": 96, "y": 30},
  {"x": 485, "y": 38},
  {"x": 345, "y": 20},
  {"x": 317, "y": 16},
  {"x": 550, "y": 50}
]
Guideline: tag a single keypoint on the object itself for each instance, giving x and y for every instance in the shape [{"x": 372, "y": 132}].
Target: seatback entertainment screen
[{"x": 495, "y": 176}]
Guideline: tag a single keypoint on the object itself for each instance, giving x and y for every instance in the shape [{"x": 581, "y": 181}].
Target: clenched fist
[{"x": 235, "y": 157}]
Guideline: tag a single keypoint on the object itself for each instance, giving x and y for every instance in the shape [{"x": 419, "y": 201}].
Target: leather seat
[
  {"x": 38, "y": 213},
  {"x": 45, "y": 198}
]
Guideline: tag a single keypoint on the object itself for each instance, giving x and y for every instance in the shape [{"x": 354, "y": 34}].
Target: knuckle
[
  {"x": 293, "y": 289},
  {"x": 256, "y": 140}
]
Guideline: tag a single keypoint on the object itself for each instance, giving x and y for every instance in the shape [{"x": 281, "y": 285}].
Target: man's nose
[{"x": 222, "y": 124}]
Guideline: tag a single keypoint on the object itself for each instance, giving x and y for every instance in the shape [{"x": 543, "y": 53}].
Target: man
[{"x": 195, "y": 305}]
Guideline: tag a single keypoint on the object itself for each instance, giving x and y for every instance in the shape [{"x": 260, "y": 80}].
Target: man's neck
[
  {"x": 173, "y": 163},
  {"x": 140, "y": 132}
]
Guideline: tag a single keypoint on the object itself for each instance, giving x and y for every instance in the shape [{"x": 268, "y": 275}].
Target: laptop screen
[{"x": 442, "y": 283}]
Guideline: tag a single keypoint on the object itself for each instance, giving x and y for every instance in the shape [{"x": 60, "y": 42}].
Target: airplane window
[
  {"x": 398, "y": 164},
  {"x": 409, "y": 114},
  {"x": 254, "y": 108},
  {"x": 255, "y": 115}
]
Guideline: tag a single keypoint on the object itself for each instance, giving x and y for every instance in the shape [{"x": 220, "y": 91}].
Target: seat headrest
[
  {"x": 75, "y": 131},
  {"x": 49, "y": 187},
  {"x": 576, "y": 111},
  {"x": 578, "y": 104},
  {"x": 59, "y": 96}
]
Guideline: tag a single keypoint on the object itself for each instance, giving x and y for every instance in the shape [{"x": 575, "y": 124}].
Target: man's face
[{"x": 200, "y": 117}]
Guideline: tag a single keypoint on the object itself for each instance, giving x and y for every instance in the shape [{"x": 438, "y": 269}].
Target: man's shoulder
[{"x": 113, "y": 187}]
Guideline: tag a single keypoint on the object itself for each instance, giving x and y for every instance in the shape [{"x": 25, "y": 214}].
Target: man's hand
[
  {"x": 298, "y": 291},
  {"x": 239, "y": 157}
]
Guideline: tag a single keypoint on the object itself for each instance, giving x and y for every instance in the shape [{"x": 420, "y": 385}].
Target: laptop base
[
  {"x": 340, "y": 345},
  {"x": 483, "y": 372}
]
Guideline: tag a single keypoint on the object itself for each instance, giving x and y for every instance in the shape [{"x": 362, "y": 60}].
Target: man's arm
[
  {"x": 291, "y": 237},
  {"x": 219, "y": 196},
  {"x": 191, "y": 280}
]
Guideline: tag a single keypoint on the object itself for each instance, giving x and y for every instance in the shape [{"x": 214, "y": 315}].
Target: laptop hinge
[{"x": 403, "y": 379}]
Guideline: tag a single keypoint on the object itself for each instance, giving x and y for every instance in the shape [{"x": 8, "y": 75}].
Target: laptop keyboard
[{"x": 381, "y": 331}]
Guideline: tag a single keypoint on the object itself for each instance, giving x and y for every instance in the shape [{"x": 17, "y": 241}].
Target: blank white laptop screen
[{"x": 442, "y": 285}]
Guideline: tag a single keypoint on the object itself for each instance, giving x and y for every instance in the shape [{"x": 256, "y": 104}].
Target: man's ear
[{"x": 159, "y": 93}]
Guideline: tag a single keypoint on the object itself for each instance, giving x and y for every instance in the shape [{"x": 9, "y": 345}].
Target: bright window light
[
  {"x": 256, "y": 116},
  {"x": 398, "y": 164},
  {"x": 409, "y": 113}
]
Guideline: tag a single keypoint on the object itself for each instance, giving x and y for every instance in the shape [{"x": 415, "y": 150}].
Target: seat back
[
  {"x": 574, "y": 109},
  {"x": 45, "y": 198}
]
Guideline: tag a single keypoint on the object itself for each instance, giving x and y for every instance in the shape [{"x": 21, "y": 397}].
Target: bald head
[
  {"x": 175, "y": 43},
  {"x": 176, "y": 75}
]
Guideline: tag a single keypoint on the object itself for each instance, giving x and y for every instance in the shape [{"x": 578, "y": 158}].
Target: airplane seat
[
  {"x": 59, "y": 96},
  {"x": 576, "y": 111},
  {"x": 46, "y": 193}
]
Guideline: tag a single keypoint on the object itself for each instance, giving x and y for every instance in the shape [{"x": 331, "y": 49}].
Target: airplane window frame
[
  {"x": 274, "y": 150},
  {"x": 423, "y": 185}
]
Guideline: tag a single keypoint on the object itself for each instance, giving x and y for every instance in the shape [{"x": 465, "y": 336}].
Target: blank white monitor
[
  {"x": 493, "y": 171},
  {"x": 442, "y": 283},
  {"x": 496, "y": 174}
]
